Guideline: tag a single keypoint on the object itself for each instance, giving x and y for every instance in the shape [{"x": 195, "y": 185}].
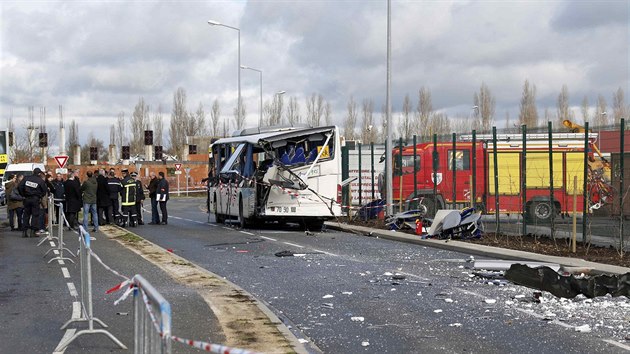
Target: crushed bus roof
[{"x": 273, "y": 136}]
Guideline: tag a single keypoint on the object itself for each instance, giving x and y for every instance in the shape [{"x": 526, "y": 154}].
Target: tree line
[{"x": 416, "y": 116}]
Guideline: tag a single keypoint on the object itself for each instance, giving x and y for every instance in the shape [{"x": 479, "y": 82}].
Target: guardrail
[
  {"x": 87, "y": 314},
  {"x": 51, "y": 209}
]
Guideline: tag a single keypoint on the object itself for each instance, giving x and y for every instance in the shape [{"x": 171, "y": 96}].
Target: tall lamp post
[
  {"x": 260, "y": 121},
  {"x": 388, "y": 114},
  {"x": 238, "y": 104}
]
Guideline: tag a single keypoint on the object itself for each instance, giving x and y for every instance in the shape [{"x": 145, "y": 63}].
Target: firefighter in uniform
[
  {"x": 33, "y": 189},
  {"x": 139, "y": 198},
  {"x": 128, "y": 198}
]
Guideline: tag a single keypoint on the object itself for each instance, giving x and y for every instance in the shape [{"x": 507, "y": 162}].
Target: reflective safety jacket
[{"x": 128, "y": 192}]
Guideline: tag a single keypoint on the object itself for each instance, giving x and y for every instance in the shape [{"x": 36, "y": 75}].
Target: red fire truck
[{"x": 453, "y": 187}]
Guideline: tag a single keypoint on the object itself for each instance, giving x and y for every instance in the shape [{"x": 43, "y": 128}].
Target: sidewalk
[
  {"x": 36, "y": 297},
  {"x": 480, "y": 250}
]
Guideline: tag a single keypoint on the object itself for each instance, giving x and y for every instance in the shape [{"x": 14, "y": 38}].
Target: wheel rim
[{"x": 542, "y": 211}]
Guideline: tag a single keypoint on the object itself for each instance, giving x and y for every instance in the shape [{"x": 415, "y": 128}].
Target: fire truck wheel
[
  {"x": 430, "y": 206},
  {"x": 541, "y": 211}
]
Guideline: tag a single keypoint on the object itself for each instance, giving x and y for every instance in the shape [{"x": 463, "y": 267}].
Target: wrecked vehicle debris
[
  {"x": 546, "y": 279},
  {"x": 450, "y": 224}
]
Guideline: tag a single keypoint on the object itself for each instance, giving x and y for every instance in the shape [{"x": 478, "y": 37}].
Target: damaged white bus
[{"x": 288, "y": 174}]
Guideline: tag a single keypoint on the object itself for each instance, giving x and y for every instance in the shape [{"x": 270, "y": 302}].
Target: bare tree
[
  {"x": 139, "y": 121},
  {"x": 197, "y": 123},
  {"x": 424, "y": 110},
  {"x": 563, "y": 112},
  {"x": 368, "y": 132},
  {"x": 328, "y": 113},
  {"x": 73, "y": 136},
  {"x": 293, "y": 112},
  {"x": 239, "y": 120},
  {"x": 584, "y": 108},
  {"x": 601, "y": 116},
  {"x": 268, "y": 111},
  {"x": 158, "y": 127},
  {"x": 179, "y": 119},
  {"x": 528, "y": 112},
  {"x": 351, "y": 120},
  {"x": 440, "y": 124},
  {"x": 276, "y": 111},
  {"x": 507, "y": 120},
  {"x": 405, "y": 125},
  {"x": 121, "y": 132},
  {"x": 548, "y": 116},
  {"x": 484, "y": 107},
  {"x": 93, "y": 142},
  {"x": 215, "y": 117},
  {"x": 619, "y": 106},
  {"x": 314, "y": 109}
]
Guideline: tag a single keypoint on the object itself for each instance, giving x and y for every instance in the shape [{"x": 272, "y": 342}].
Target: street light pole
[
  {"x": 238, "y": 104},
  {"x": 260, "y": 121},
  {"x": 388, "y": 145}
]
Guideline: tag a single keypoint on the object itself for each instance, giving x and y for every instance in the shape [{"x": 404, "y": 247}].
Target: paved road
[{"x": 340, "y": 293}]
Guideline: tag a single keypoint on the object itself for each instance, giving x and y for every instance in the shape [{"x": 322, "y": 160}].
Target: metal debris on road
[
  {"x": 327, "y": 296},
  {"x": 357, "y": 319}
]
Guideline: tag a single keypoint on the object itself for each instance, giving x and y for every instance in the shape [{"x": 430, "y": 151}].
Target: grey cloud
[{"x": 586, "y": 15}]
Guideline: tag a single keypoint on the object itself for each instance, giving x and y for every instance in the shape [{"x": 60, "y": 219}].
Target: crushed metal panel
[
  {"x": 545, "y": 278},
  {"x": 493, "y": 264}
]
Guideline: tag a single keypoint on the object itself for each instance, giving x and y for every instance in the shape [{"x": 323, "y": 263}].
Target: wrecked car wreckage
[
  {"x": 570, "y": 286},
  {"x": 447, "y": 223}
]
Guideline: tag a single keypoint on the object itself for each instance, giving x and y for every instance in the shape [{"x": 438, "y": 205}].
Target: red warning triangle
[{"x": 61, "y": 160}]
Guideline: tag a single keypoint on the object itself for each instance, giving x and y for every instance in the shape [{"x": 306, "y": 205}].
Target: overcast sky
[{"x": 97, "y": 58}]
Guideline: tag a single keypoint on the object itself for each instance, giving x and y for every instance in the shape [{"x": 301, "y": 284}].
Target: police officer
[
  {"x": 128, "y": 197},
  {"x": 33, "y": 189},
  {"x": 139, "y": 197}
]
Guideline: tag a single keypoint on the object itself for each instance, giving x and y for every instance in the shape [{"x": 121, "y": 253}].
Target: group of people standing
[{"x": 103, "y": 197}]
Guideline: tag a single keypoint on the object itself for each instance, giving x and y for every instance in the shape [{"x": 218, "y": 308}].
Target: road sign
[
  {"x": 178, "y": 167},
  {"x": 187, "y": 169},
  {"x": 61, "y": 160},
  {"x": 178, "y": 172},
  {"x": 63, "y": 171}
]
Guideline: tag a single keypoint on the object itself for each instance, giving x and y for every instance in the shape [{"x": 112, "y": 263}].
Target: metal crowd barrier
[
  {"x": 86, "y": 297},
  {"x": 60, "y": 244},
  {"x": 51, "y": 212},
  {"x": 152, "y": 319}
]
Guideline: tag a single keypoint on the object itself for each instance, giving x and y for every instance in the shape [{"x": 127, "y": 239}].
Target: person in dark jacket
[
  {"x": 59, "y": 195},
  {"x": 103, "y": 201},
  {"x": 33, "y": 189},
  {"x": 139, "y": 197},
  {"x": 15, "y": 208},
  {"x": 114, "y": 187},
  {"x": 162, "y": 196},
  {"x": 74, "y": 201},
  {"x": 152, "y": 187},
  {"x": 128, "y": 198}
]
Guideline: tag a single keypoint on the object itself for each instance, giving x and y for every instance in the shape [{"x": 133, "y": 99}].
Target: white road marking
[
  {"x": 227, "y": 228},
  {"x": 542, "y": 317},
  {"x": 247, "y": 233},
  {"x": 176, "y": 217},
  {"x": 268, "y": 238},
  {"x": 211, "y": 224},
  {"x": 414, "y": 276},
  {"x": 52, "y": 244},
  {"x": 76, "y": 310},
  {"x": 614, "y": 342},
  {"x": 73, "y": 290},
  {"x": 328, "y": 253},
  {"x": 56, "y": 252},
  {"x": 66, "y": 336},
  {"x": 292, "y": 244},
  {"x": 65, "y": 272},
  {"x": 61, "y": 261}
]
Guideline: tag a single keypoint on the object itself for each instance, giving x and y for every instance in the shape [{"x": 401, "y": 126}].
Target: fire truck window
[
  {"x": 462, "y": 160},
  {"x": 407, "y": 164}
]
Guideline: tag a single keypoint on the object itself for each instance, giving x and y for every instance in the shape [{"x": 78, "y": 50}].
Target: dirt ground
[{"x": 537, "y": 244}]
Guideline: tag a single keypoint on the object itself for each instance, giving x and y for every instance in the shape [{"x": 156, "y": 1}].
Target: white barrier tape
[
  {"x": 210, "y": 347},
  {"x": 98, "y": 259}
]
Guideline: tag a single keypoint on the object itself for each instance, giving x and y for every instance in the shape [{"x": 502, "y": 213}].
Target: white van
[{"x": 25, "y": 169}]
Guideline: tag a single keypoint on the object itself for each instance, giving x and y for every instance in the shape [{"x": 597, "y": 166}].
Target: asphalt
[
  {"x": 480, "y": 250},
  {"x": 36, "y": 300}
]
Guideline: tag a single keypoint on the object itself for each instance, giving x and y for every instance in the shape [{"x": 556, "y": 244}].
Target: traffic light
[
  {"x": 158, "y": 152},
  {"x": 148, "y": 137},
  {"x": 43, "y": 140},
  {"x": 192, "y": 149},
  {"x": 125, "y": 153},
  {"x": 93, "y": 153}
]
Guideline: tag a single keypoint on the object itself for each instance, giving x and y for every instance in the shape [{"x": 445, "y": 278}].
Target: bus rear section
[{"x": 285, "y": 176}]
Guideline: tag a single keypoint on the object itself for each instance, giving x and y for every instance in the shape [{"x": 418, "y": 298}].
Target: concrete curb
[
  {"x": 480, "y": 250},
  {"x": 284, "y": 330}
]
